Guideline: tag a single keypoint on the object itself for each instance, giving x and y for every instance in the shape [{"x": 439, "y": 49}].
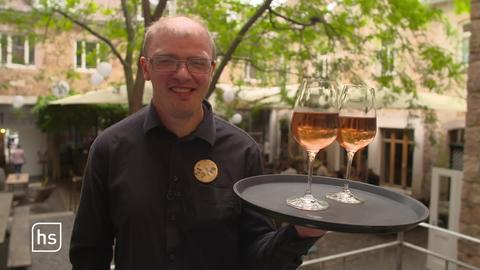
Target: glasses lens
[
  {"x": 199, "y": 65},
  {"x": 164, "y": 63},
  {"x": 170, "y": 64}
]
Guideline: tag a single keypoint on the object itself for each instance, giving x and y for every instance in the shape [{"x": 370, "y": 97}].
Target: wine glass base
[
  {"x": 307, "y": 202},
  {"x": 344, "y": 197}
]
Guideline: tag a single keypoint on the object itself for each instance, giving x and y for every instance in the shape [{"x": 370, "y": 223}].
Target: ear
[
  {"x": 144, "y": 65},
  {"x": 214, "y": 64}
]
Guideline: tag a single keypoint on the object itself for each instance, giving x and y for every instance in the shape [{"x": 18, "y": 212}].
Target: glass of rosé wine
[
  {"x": 314, "y": 126},
  {"x": 357, "y": 122}
]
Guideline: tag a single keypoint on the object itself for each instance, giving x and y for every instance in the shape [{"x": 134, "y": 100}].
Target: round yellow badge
[{"x": 205, "y": 171}]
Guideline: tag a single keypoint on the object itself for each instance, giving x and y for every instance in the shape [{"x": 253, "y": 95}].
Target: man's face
[{"x": 178, "y": 93}]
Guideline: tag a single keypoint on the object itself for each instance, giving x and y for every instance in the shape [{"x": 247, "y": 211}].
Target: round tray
[{"x": 383, "y": 210}]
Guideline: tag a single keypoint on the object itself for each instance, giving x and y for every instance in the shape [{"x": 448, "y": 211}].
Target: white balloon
[
  {"x": 228, "y": 95},
  {"x": 18, "y": 101},
  {"x": 104, "y": 68},
  {"x": 96, "y": 78},
  {"x": 60, "y": 89},
  {"x": 237, "y": 118}
]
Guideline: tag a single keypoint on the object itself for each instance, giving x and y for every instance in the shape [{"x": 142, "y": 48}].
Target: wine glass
[
  {"x": 357, "y": 128},
  {"x": 314, "y": 126}
]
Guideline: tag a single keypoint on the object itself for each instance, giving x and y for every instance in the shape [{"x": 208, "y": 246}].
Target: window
[
  {"x": 397, "y": 157},
  {"x": 17, "y": 49},
  {"x": 465, "y": 46},
  {"x": 323, "y": 65},
  {"x": 456, "y": 139},
  {"x": 89, "y": 54},
  {"x": 387, "y": 61},
  {"x": 250, "y": 72}
]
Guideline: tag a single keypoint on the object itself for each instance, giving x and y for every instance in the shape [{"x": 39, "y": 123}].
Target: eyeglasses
[{"x": 164, "y": 63}]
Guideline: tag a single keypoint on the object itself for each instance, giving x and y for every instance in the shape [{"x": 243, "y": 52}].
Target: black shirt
[{"x": 140, "y": 190}]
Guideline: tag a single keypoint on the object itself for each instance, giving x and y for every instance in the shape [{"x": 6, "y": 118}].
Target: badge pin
[{"x": 205, "y": 171}]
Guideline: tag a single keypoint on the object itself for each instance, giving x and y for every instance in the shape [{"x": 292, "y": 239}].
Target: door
[
  {"x": 397, "y": 157},
  {"x": 445, "y": 196}
]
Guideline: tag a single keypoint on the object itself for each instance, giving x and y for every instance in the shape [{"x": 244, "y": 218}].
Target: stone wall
[{"x": 470, "y": 214}]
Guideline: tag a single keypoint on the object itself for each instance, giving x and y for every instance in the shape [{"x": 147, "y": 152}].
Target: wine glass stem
[
  {"x": 311, "y": 158},
  {"x": 350, "y": 155}
]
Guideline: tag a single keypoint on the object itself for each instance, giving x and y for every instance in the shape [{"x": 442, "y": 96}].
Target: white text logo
[{"x": 46, "y": 237}]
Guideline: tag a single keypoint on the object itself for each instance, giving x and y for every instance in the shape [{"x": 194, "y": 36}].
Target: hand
[{"x": 305, "y": 232}]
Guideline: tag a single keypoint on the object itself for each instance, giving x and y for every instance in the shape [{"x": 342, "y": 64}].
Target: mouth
[{"x": 181, "y": 90}]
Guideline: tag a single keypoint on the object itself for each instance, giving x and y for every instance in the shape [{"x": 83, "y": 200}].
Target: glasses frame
[{"x": 177, "y": 64}]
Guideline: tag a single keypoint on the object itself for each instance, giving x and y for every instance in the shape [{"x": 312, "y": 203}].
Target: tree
[
  {"x": 284, "y": 42},
  {"x": 470, "y": 221},
  {"x": 127, "y": 29}
]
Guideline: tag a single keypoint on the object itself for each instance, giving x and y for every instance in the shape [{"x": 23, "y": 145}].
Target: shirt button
[
  {"x": 171, "y": 257},
  {"x": 173, "y": 217},
  {"x": 175, "y": 179},
  {"x": 170, "y": 195}
]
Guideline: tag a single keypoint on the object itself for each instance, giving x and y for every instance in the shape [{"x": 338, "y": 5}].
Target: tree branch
[
  {"x": 128, "y": 26},
  {"x": 133, "y": 104},
  {"x": 313, "y": 21},
  {"x": 93, "y": 32},
  {"x": 159, "y": 9},
  {"x": 147, "y": 18},
  {"x": 261, "y": 68},
  {"x": 235, "y": 43}
]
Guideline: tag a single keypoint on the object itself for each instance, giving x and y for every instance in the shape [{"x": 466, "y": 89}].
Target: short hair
[{"x": 163, "y": 23}]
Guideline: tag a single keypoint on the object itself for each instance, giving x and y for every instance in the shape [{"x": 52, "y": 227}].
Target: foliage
[
  {"x": 462, "y": 6},
  {"x": 382, "y": 42},
  {"x": 57, "y": 118}
]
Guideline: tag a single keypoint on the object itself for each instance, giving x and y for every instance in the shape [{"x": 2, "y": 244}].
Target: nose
[{"x": 182, "y": 70}]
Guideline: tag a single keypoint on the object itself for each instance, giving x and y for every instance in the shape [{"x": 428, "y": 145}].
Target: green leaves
[
  {"x": 52, "y": 119},
  {"x": 439, "y": 66},
  {"x": 383, "y": 40},
  {"x": 462, "y": 6}
]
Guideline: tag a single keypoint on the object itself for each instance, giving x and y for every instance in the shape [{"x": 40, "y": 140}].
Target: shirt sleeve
[
  {"x": 92, "y": 235},
  {"x": 264, "y": 247}
]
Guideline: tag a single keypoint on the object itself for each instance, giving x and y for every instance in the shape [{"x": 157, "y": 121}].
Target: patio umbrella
[
  {"x": 429, "y": 100},
  {"x": 386, "y": 99},
  {"x": 105, "y": 96}
]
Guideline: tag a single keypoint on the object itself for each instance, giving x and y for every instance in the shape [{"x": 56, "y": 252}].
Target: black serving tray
[{"x": 383, "y": 210}]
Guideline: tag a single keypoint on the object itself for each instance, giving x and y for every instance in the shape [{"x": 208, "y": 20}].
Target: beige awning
[
  {"x": 429, "y": 100},
  {"x": 8, "y": 100},
  {"x": 270, "y": 96},
  {"x": 105, "y": 96}
]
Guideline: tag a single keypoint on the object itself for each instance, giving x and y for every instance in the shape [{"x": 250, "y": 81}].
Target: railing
[{"x": 400, "y": 243}]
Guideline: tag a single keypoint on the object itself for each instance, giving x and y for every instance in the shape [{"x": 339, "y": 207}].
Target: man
[{"x": 159, "y": 183}]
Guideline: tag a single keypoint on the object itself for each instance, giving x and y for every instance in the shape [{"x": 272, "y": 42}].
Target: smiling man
[
  {"x": 159, "y": 183},
  {"x": 178, "y": 60}
]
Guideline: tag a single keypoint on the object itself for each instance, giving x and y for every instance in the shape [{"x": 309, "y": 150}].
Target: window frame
[
  {"x": 83, "y": 65},
  {"x": 250, "y": 72},
  {"x": 406, "y": 140},
  {"x": 464, "y": 53},
  {"x": 6, "y": 60}
]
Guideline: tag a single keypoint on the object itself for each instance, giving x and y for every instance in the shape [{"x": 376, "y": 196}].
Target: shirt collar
[{"x": 205, "y": 130}]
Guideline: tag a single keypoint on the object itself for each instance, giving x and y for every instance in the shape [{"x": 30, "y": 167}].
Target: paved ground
[
  {"x": 53, "y": 209},
  {"x": 58, "y": 260}
]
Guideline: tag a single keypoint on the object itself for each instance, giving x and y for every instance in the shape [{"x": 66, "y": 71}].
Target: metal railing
[{"x": 400, "y": 243}]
